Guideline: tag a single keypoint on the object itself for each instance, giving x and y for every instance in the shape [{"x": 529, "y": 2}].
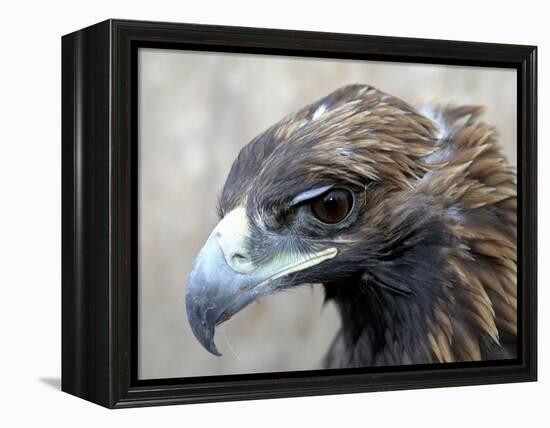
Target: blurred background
[{"x": 196, "y": 111}]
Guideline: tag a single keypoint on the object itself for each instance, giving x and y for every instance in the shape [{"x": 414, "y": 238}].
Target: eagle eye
[{"x": 333, "y": 206}]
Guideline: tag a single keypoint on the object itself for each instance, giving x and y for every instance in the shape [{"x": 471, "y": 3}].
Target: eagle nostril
[
  {"x": 240, "y": 262},
  {"x": 239, "y": 258}
]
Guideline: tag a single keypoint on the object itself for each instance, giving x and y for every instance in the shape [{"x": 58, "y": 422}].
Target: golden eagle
[{"x": 407, "y": 217}]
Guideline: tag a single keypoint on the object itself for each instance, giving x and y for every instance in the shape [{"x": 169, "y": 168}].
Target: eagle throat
[
  {"x": 385, "y": 311},
  {"x": 412, "y": 306}
]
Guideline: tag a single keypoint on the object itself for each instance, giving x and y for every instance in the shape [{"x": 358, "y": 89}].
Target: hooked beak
[{"x": 224, "y": 278}]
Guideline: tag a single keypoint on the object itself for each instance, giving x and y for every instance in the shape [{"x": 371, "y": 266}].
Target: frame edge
[{"x": 85, "y": 154}]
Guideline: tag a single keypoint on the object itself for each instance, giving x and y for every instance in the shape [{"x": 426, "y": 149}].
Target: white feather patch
[
  {"x": 320, "y": 110},
  {"x": 436, "y": 117}
]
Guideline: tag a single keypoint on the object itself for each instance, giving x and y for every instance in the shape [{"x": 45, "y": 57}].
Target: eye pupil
[
  {"x": 333, "y": 207},
  {"x": 331, "y": 203}
]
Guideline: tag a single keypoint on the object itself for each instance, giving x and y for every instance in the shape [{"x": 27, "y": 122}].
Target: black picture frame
[{"x": 99, "y": 257}]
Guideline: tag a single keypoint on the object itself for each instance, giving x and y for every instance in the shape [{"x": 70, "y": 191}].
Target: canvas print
[{"x": 304, "y": 213}]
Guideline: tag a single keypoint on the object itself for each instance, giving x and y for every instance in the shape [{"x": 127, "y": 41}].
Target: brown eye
[{"x": 333, "y": 207}]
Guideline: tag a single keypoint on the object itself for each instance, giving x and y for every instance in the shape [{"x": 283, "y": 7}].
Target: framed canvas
[{"x": 253, "y": 213}]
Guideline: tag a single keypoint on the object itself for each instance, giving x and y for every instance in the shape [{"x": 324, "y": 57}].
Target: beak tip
[
  {"x": 202, "y": 326},
  {"x": 214, "y": 351},
  {"x": 205, "y": 336}
]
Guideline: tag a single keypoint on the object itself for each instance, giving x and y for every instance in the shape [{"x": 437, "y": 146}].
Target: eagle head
[{"x": 362, "y": 193}]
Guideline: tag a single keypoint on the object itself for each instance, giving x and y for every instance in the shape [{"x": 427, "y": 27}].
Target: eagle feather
[{"x": 424, "y": 267}]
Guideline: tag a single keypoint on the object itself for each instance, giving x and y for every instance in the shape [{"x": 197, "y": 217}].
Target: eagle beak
[{"x": 224, "y": 278}]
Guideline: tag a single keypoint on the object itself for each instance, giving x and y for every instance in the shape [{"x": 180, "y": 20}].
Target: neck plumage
[
  {"x": 428, "y": 304},
  {"x": 385, "y": 312}
]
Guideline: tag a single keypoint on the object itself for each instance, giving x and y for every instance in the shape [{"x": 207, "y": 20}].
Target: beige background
[{"x": 196, "y": 110}]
